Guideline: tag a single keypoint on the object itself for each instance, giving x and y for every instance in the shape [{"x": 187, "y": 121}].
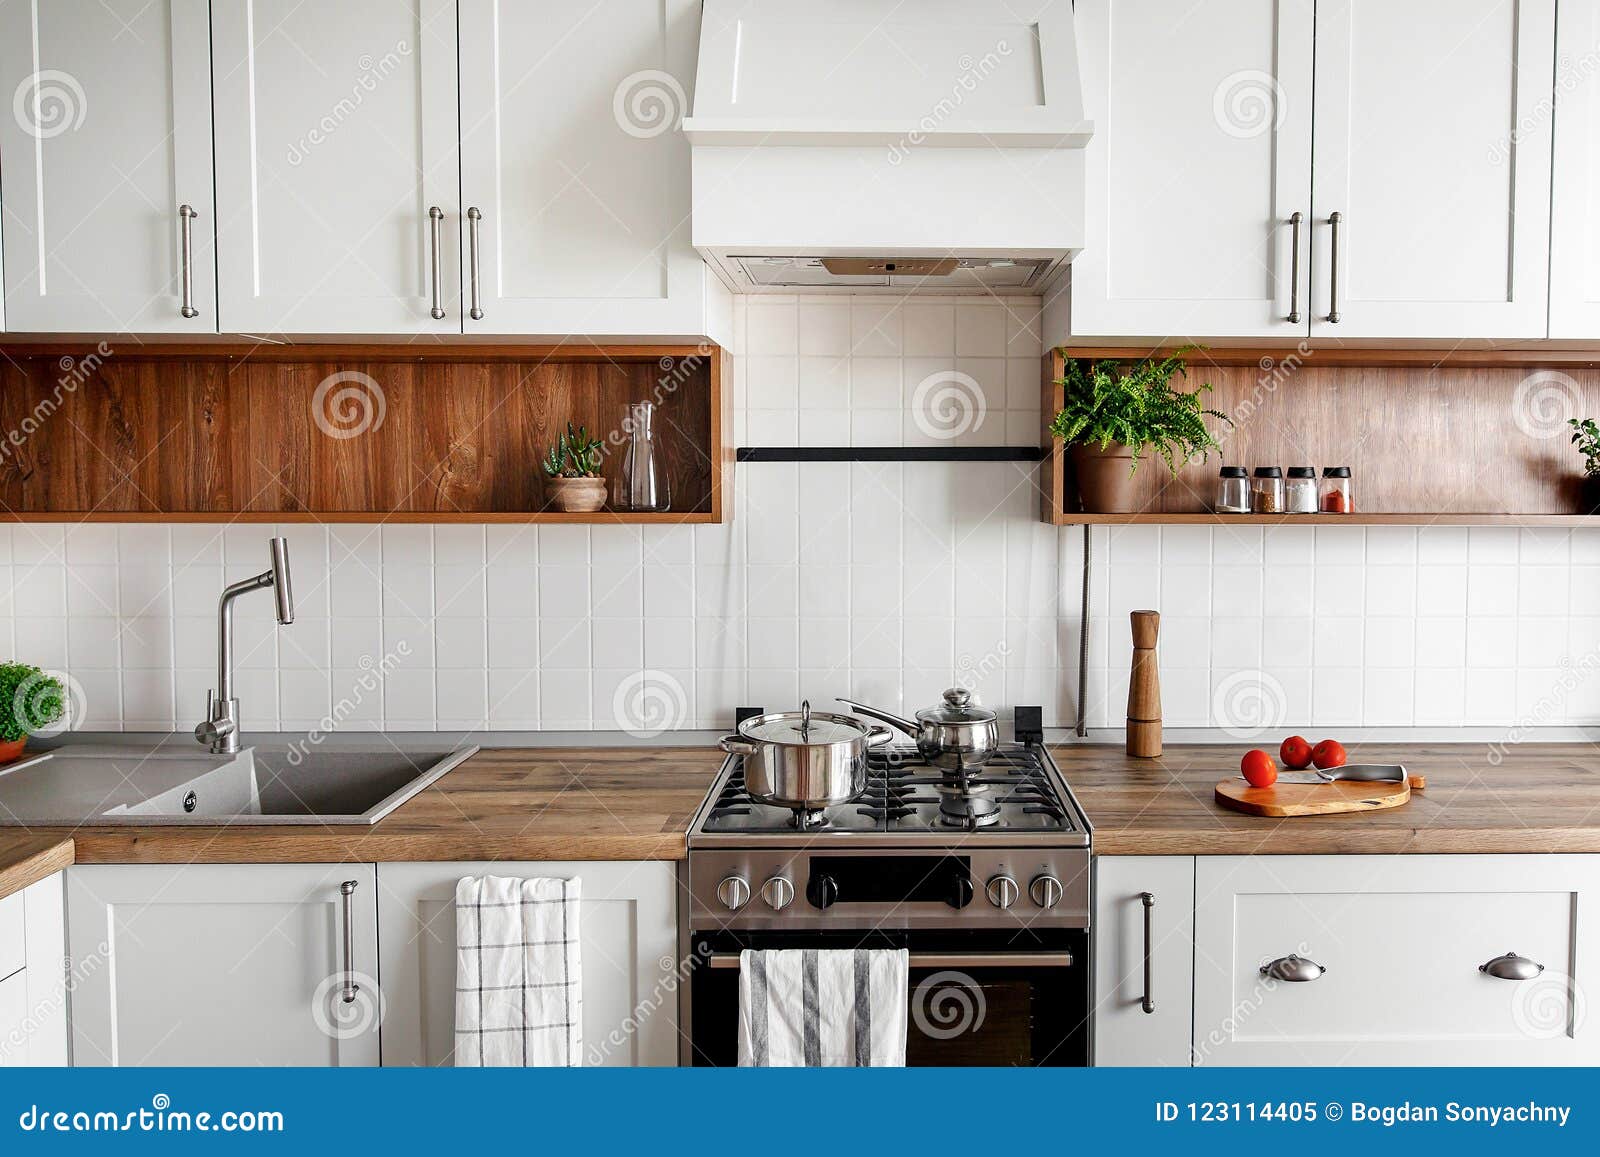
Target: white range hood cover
[{"x": 888, "y": 129}]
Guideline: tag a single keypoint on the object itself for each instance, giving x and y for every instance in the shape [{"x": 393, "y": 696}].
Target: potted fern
[
  {"x": 573, "y": 482},
  {"x": 30, "y": 701},
  {"x": 1115, "y": 416},
  {"x": 1586, "y": 437}
]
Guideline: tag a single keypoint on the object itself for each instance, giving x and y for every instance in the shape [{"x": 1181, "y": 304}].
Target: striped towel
[
  {"x": 519, "y": 992},
  {"x": 826, "y": 1008}
]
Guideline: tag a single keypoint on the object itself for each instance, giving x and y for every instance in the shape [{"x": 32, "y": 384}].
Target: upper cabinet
[
  {"x": 1418, "y": 208},
  {"x": 336, "y": 166},
  {"x": 106, "y": 151},
  {"x": 574, "y": 174},
  {"x": 1575, "y": 206}
]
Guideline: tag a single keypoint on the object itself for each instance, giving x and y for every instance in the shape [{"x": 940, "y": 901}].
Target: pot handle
[
  {"x": 736, "y": 745},
  {"x": 878, "y": 736},
  {"x": 895, "y": 721}
]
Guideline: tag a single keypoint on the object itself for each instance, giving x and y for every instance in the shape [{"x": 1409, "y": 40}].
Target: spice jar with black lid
[
  {"x": 1266, "y": 490},
  {"x": 1233, "y": 491},
  {"x": 1336, "y": 496},
  {"x": 1300, "y": 493}
]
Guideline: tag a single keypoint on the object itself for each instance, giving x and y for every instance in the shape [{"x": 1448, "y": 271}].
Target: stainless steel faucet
[{"x": 221, "y": 726}]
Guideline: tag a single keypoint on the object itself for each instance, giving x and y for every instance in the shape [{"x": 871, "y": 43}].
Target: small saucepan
[
  {"x": 956, "y": 734},
  {"x": 804, "y": 759}
]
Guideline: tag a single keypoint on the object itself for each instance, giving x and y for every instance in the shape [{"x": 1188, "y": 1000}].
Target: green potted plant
[
  {"x": 1586, "y": 437},
  {"x": 573, "y": 482},
  {"x": 30, "y": 701},
  {"x": 1115, "y": 415}
]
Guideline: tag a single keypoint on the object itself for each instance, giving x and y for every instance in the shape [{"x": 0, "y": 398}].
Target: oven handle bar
[{"x": 951, "y": 960}]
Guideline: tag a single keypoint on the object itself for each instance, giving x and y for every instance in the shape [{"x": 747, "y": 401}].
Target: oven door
[{"x": 995, "y": 1004}]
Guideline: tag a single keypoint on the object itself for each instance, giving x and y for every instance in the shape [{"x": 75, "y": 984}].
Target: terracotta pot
[
  {"x": 11, "y": 749},
  {"x": 576, "y": 495},
  {"x": 1107, "y": 483}
]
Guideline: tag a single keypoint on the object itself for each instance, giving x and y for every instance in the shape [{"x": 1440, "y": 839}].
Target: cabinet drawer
[
  {"x": 13, "y": 1011},
  {"x": 12, "y": 945},
  {"x": 1402, "y": 941}
]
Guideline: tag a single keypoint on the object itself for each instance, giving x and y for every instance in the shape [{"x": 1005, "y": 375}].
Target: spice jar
[
  {"x": 1336, "y": 498},
  {"x": 1233, "y": 491},
  {"x": 1266, "y": 491},
  {"x": 1300, "y": 493}
]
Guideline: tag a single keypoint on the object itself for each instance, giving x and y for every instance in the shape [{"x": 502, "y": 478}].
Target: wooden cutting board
[{"x": 1310, "y": 799}]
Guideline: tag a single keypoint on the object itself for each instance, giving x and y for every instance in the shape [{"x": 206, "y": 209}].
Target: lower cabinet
[
  {"x": 222, "y": 964},
  {"x": 1143, "y": 910},
  {"x": 628, "y": 952},
  {"x": 1404, "y": 960},
  {"x": 33, "y": 978}
]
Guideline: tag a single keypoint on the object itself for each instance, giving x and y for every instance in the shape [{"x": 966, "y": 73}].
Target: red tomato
[
  {"x": 1328, "y": 753},
  {"x": 1295, "y": 752},
  {"x": 1258, "y": 768}
]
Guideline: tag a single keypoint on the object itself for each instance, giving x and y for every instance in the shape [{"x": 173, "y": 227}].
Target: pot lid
[
  {"x": 957, "y": 707},
  {"x": 803, "y": 727}
]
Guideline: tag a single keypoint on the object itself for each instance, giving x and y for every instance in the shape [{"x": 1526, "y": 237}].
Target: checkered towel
[
  {"x": 823, "y": 1007},
  {"x": 519, "y": 992}
]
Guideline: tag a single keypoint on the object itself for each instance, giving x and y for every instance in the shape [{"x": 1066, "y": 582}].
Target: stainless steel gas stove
[{"x": 982, "y": 873}]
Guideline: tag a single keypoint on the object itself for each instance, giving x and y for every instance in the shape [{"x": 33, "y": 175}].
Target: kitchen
[{"x": 656, "y": 465}]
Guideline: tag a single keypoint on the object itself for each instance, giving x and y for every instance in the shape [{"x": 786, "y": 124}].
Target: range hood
[{"x": 896, "y": 145}]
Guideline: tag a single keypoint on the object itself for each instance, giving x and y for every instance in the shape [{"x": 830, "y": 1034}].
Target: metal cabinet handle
[
  {"x": 1292, "y": 968},
  {"x": 435, "y": 216},
  {"x": 474, "y": 215},
  {"x": 1333, "y": 267},
  {"x": 1511, "y": 967},
  {"x": 1149, "y": 1001},
  {"x": 187, "y": 215},
  {"x": 1294, "y": 268},
  {"x": 348, "y": 992}
]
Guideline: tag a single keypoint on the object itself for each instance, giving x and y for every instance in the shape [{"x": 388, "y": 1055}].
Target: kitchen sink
[{"x": 268, "y": 784}]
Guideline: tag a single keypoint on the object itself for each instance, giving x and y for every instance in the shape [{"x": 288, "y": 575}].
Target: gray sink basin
[{"x": 94, "y": 786}]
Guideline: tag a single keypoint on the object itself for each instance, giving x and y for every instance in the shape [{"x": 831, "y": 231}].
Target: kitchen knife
[{"x": 1356, "y": 772}]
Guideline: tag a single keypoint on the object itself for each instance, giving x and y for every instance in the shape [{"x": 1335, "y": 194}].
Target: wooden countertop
[
  {"x": 26, "y": 858},
  {"x": 1540, "y": 797}
]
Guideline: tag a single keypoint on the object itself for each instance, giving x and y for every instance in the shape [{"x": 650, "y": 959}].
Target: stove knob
[
  {"x": 734, "y": 893},
  {"x": 1003, "y": 891},
  {"x": 1046, "y": 891},
  {"x": 778, "y": 893},
  {"x": 822, "y": 891},
  {"x": 960, "y": 893}
]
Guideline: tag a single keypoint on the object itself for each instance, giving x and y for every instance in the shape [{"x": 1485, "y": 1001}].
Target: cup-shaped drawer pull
[
  {"x": 1292, "y": 968},
  {"x": 1511, "y": 967}
]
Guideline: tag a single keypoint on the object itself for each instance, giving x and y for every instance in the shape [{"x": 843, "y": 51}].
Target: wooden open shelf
[
  {"x": 1433, "y": 438},
  {"x": 228, "y": 432}
]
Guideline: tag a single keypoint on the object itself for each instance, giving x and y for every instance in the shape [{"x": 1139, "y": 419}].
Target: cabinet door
[
  {"x": 1127, "y": 1031},
  {"x": 222, "y": 964},
  {"x": 1201, "y": 156},
  {"x": 1575, "y": 199},
  {"x": 112, "y": 134},
  {"x": 628, "y": 952},
  {"x": 336, "y": 138},
  {"x": 1402, "y": 940},
  {"x": 1433, "y": 147},
  {"x": 570, "y": 150}
]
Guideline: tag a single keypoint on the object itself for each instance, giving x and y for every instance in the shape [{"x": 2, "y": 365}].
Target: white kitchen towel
[
  {"x": 519, "y": 992},
  {"x": 827, "y": 1008}
]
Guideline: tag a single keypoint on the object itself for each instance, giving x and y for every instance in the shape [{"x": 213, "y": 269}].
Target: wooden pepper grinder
[{"x": 1144, "y": 687}]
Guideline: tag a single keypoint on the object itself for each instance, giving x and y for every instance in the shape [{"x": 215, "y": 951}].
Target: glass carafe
[{"x": 643, "y": 484}]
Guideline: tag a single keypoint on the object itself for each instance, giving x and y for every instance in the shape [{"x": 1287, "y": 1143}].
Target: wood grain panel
[{"x": 331, "y": 433}]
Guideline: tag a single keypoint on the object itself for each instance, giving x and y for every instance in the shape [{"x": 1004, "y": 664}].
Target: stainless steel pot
[
  {"x": 957, "y": 733},
  {"x": 804, "y": 759}
]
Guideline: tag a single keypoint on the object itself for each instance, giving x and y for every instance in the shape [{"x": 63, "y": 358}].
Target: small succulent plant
[{"x": 575, "y": 455}]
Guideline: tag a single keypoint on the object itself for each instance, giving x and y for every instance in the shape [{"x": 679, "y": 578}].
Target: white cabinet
[
  {"x": 222, "y": 964},
  {"x": 1395, "y": 946},
  {"x": 1143, "y": 909},
  {"x": 33, "y": 978},
  {"x": 572, "y": 161},
  {"x": 337, "y": 181},
  {"x": 1201, "y": 156},
  {"x": 111, "y": 137},
  {"x": 1575, "y": 202},
  {"x": 628, "y": 951},
  {"x": 1433, "y": 148}
]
